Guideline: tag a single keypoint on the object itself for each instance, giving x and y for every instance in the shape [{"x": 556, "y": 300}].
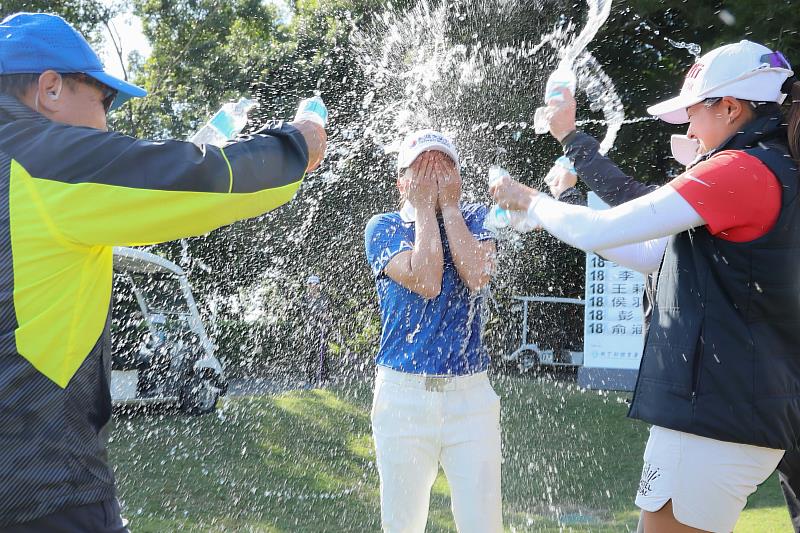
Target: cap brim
[
  {"x": 412, "y": 155},
  {"x": 125, "y": 90},
  {"x": 674, "y": 109}
]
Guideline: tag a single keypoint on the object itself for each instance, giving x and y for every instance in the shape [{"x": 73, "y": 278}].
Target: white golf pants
[{"x": 419, "y": 422}]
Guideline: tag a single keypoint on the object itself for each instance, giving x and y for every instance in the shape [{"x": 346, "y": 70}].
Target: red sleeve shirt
[{"x": 735, "y": 193}]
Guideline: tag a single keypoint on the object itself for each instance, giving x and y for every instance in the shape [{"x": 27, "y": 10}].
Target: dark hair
[
  {"x": 793, "y": 120},
  {"x": 792, "y": 116},
  {"x": 17, "y": 84}
]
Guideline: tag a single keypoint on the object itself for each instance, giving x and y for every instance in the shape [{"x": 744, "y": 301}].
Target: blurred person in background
[{"x": 316, "y": 305}]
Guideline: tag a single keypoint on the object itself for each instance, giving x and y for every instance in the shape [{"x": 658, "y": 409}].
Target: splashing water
[
  {"x": 597, "y": 16},
  {"x": 439, "y": 66},
  {"x": 592, "y": 80},
  {"x": 468, "y": 69},
  {"x": 692, "y": 48},
  {"x": 599, "y": 88},
  {"x": 423, "y": 77}
]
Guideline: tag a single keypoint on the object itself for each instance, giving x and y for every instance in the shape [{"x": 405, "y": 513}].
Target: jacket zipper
[{"x": 698, "y": 367}]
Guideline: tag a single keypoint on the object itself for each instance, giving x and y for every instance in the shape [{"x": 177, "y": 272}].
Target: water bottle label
[
  {"x": 315, "y": 106},
  {"x": 564, "y": 162},
  {"x": 503, "y": 216},
  {"x": 555, "y": 93},
  {"x": 499, "y": 217},
  {"x": 224, "y": 123}
]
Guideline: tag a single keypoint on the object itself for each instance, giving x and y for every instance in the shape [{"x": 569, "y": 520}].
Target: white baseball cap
[
  {"x": 745, "y": 70},
  {"x": 313, "y": 279},
  {"x": 423, "y": 141}
]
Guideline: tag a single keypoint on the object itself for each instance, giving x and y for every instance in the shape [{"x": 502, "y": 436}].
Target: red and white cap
[
  {"x": 745, "y": 70},
  {"x": 423, "y": 141}
]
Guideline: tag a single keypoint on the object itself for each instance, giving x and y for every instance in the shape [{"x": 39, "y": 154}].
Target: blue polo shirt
[{"x": 437, "y": 336}]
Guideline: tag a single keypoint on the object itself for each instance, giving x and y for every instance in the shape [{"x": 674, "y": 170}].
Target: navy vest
[{"x": 722, "y": 356}]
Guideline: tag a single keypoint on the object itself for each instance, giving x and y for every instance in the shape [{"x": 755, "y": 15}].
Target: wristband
[{"x": 568, "y": 138}]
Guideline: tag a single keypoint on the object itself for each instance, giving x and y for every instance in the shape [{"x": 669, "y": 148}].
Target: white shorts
[{"x": 707, "y": 480}]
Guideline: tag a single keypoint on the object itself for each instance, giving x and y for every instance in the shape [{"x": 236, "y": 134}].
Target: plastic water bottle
[
  {"x": 562, "y": 163},
  {"x": 561, "y": 78},
  {"x": 226, "y": 123},
  {"x": 313, "y": 109},
  {"x": 497, "y": 218},
  {"x": 524, "y": 221}
]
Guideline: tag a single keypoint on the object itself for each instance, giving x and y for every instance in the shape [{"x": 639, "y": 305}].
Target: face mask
[{"x": 685, "y": 150}]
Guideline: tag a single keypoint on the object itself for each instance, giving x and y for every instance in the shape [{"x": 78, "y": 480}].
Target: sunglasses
[
  {"x": 776, "y": 60},
  {"x": 711, "y": 102},
  {"x": 109, "y": 94}
]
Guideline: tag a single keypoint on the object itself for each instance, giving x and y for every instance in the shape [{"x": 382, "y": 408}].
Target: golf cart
[
  {"x": 166, "y": 357},
  {"x": 529, "y": 354}
]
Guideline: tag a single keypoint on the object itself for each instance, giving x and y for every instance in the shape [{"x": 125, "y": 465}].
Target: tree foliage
[
  {"x": 88, "y": 16},
  {"x": 206, "y": 52}
]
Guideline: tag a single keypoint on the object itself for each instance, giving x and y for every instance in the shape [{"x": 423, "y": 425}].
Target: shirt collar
[
  {"x": 761, "y": 129},
  {"x": 12, "y": 109},
  {"x": 408, "y": 213}
]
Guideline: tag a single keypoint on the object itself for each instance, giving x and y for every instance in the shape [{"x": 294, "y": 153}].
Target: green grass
[{"x": 303, "y": 462}]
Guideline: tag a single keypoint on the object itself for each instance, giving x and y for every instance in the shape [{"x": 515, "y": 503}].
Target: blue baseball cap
[{"x": 31, "y": 43}]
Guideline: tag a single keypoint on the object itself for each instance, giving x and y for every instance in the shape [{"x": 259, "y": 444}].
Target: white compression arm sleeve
[
  {"x": 659, "y": 214},
  {"x": 644, "y": 257}
]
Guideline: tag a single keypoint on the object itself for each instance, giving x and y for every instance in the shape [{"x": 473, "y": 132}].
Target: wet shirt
[{"x": 441, "y": 335}]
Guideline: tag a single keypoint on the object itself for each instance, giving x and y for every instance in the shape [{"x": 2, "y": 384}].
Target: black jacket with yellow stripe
[{"x": 68, "y": 195}]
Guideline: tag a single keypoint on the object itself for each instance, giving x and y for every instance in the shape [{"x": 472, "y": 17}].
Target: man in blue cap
[{"x": 70, "y": 191}]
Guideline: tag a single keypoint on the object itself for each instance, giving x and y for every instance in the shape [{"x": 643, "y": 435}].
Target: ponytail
[{"x": 793, "y": 120}]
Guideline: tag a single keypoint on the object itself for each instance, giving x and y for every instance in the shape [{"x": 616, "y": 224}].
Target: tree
[
  {"x": 477, "y": 69},
  {"x": 88, "y": 16}
]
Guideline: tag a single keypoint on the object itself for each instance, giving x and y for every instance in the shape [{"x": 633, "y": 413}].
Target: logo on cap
[
  {"x": 695, "y": 70},
  {"x": 692, "y": 75},
  {"x": 433, "y": 138}
]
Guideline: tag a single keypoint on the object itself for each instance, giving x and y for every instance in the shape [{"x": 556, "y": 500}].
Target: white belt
[{"x": 432, "y": 382}]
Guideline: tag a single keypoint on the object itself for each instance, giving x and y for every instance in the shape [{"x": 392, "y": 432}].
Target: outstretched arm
[
  {"x": 733, "y": 194},
  {"x": 644, "y": 257},
  {"x": 658, "y": 214},
  {"x": 601, "y": 174},
  {"x": 103, "y": 188}
]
